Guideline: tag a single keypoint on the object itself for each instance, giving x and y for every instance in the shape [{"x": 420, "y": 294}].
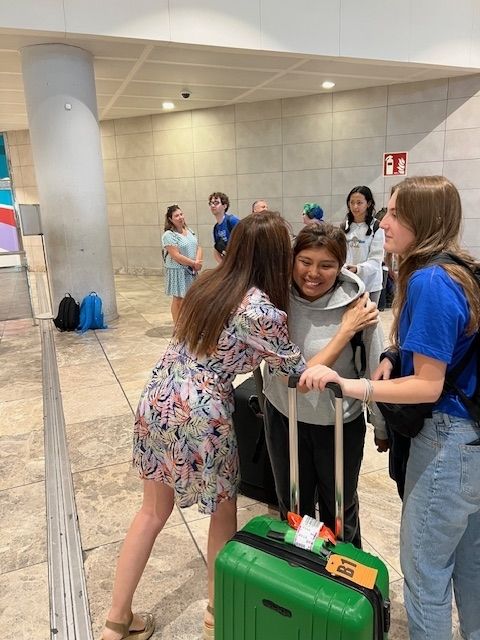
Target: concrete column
[{"x": 63, "y": 121}]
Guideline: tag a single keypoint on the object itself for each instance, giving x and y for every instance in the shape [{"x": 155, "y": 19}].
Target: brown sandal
[
  {"x": 124, "y": 629},
  {"x": 209, "y": 629}
]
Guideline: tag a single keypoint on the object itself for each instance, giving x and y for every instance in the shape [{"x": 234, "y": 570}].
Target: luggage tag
[
  {"x": 307, "y": 536},
  {"x": 349, "y": 569},
  {"x": 294, "y": 520}
]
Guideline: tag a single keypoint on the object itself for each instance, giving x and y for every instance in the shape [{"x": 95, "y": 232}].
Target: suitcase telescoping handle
[{"x": 293, "y": 445}]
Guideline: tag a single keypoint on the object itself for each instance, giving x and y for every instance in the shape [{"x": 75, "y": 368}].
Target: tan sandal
[
  {"x": 124, "y": 629},
  {"x": 209, "y": 629}
]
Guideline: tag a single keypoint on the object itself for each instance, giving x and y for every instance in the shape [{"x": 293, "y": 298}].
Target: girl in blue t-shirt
[{"x": 436, "y": 316}]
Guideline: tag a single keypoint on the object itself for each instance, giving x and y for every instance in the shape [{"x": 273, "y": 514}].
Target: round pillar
[{"x": 63, "y": 121}]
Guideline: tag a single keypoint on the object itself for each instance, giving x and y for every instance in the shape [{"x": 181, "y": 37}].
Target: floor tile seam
[
  {"x": 20, "y": 486},
  {"x": 114, "y": 374},
  {"x": 380, "y": 555},
  {"x": 22, "y": 568},
  {"x": 200, "y": 552},
  {"x": 103, "y": 466},
  {"x": 82, "y": 422},
  {"x": 367, "y": 473},
  {"x": 166, "y": 527},
  {"x": 30, "y": 398}
]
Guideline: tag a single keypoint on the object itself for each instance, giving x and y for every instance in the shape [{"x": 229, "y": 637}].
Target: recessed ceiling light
[
  {"x": 328, "y": 84},
  {"x": 168, "y": 105}
]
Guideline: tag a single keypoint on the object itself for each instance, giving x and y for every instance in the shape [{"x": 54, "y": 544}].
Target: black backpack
[{"x": 68, "y": 314}]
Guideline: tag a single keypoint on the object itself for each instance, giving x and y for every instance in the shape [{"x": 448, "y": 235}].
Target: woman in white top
[
  {"x": 365, "y": 240},
  {"x": 182, "y": 255}
]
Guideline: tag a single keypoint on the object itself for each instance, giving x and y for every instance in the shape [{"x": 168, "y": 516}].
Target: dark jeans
[{"x": 316, "y": 468}]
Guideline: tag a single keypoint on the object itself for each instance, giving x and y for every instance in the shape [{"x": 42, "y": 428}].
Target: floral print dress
[{"x": 183, "y": 434}]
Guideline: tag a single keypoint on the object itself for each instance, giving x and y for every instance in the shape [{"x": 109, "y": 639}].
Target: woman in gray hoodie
[{"x": 328, "y": 306}]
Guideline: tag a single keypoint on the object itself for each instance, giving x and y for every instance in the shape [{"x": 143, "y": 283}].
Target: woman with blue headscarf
[{"x": 312, "y": 213}]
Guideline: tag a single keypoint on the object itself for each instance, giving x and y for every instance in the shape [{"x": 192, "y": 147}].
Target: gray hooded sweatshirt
[{"x": 312, "y": 325}]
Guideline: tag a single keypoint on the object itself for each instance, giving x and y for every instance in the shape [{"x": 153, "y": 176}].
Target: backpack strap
[
  {"x": 230, "y": 224},
  {"x": 358, "y": 347},
  {"x": 450, "y": 385}
]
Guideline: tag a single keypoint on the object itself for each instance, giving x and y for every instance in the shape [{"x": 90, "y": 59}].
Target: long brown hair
[
  {"x": 169, "y": 226},
  {"x": 258, "y": 255},
  {"x": 430, "y": 207}
]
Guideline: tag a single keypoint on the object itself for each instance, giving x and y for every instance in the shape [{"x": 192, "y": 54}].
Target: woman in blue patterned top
[{"x": 183, "y": 257}]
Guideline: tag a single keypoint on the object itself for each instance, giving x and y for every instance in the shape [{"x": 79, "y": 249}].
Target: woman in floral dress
[{"x": 185, "y": 449}]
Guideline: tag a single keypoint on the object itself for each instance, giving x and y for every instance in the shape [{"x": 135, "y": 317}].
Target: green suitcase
[{"x": 268, "y": 589}]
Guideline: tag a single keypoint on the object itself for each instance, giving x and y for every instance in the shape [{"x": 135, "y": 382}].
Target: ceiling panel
[
  {"x": 221, "y": 57},
  {"x": 106, "y": 68},
  {"x": 109, "y": 48},
  {"x": 268, "y": 93},
  {"x": 356, "y": 68},
  {"x": 107, "y": 86},
  {"x": 166, "y": 90},
  {"x": 313, "y": 83},
  {"x": 13, "y": 109},
  {"x": 215, "y": 75},
  {"x": 10, "y": 62},
  {"x": 182, "y": 74},
  {"x": 156, "y": 103},
  {"x": 12, "y": 97},
  {"x": 11, "y": 81}
]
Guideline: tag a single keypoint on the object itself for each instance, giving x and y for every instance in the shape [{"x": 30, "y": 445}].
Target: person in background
[
  {"x": 259, "y": 206},
  {"x": 328, "y": 307},
  {"x": 183, "y": 257},
  {"x": 312, "y": 213},
  {"x": 365, "y": 240},
  {"x": 219, "y": 205},
  {"x": 185, "y": 449},
  {"x": 436, "y": 319}
]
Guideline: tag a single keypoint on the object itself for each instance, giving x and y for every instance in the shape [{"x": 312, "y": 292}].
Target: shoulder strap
[
  {"x": 450, "y": 385},
  {"x": 257, "y": 374},
  {"x": 358, "y": 346},
  {"x": 230, "y": 224},
  {"x": 375, "y": 226}
]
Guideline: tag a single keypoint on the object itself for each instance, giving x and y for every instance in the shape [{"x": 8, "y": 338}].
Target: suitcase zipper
[{"x": 316, "y": 564}]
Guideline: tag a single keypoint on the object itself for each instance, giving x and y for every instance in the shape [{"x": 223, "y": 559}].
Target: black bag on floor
[
  {"x": 255, "y": 469},
  {"x": 68, "y": 314}
]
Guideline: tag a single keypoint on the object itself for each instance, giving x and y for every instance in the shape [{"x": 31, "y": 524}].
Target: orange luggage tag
[{"x": 349, "y": 569}]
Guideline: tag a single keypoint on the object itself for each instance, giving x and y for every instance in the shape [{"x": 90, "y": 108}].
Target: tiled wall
[{"x": 288, "y": 151}]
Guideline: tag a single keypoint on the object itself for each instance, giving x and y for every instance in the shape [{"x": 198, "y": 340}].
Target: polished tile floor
[{"x": 101, "y": 375}]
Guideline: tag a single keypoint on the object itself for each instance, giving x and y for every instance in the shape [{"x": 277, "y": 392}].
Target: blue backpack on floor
[{"x": 91, "y": 314}]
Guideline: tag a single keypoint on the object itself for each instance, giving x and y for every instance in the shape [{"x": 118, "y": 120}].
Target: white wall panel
[
  {"x": 216, "y": 22},
  {"x": 441, "y": 31},
  {"x": 140, "y": 19},
  {"x": 306, "y": 26},
  {"x": 375, "y": 29},
  {"x": 32, "y": 14}
]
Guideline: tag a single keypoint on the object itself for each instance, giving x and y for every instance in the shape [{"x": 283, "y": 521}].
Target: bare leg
[
  {"x": 223, "y": 525},
  {"x": 175, "y": 308},
  {"x": 147, "y": 524}
]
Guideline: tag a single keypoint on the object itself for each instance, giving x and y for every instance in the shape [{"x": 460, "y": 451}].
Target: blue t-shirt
[
  {"x": 433, "y": 323},
  {"x": 222, "y": 230}
]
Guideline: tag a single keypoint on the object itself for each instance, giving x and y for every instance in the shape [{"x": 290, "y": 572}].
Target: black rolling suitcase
[{"x": 255, "y": 469}]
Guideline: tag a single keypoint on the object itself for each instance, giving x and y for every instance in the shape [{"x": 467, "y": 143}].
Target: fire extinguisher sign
[{"x": 395, "y": 163}]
